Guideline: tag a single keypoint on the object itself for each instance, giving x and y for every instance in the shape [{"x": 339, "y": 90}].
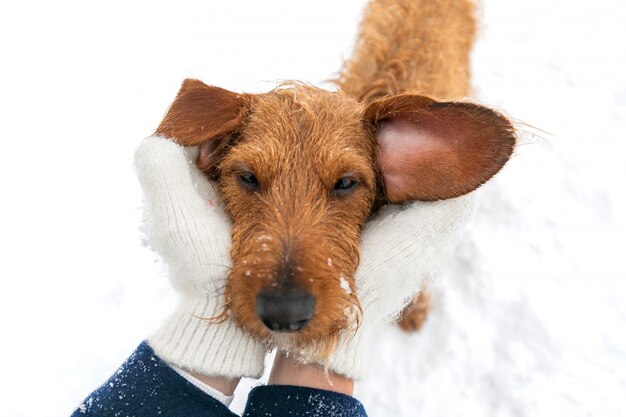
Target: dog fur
[{"x": 391, "y": 128}]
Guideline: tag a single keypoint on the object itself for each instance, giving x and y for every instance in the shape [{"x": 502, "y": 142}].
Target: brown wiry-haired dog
[{"x": 301, "y": 169}]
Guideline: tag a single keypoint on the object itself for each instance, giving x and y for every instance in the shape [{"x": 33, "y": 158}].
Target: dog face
[{"x": 299, "y": 170}]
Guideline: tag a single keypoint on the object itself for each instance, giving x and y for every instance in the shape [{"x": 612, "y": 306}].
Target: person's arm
[
  {"x": 146, "y": 386},
  {"x": 288, "y": 370},
  {"x": 299, "y": 389}
]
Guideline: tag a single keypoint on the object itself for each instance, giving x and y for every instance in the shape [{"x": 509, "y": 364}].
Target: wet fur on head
[{"x": 295, "y": 231}]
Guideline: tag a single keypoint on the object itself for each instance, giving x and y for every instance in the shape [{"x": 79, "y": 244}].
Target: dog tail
[{"x": 418, "y": 46}]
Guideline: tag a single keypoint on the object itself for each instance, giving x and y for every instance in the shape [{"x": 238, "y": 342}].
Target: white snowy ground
[{"x": 530, "y": 318}]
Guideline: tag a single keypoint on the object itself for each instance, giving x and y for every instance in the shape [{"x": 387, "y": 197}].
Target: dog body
[{"x": 301, "y": 169}]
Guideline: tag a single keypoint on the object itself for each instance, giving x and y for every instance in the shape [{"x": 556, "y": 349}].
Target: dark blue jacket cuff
[
  {"x": 145, "y": 386},
  {"x": 292, "y": 401}
]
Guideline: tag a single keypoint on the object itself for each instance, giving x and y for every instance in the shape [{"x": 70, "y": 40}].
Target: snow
[{"x": 529, "y": 318}]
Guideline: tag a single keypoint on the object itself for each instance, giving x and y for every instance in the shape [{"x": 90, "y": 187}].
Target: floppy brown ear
[
  {"x": 431, "y": 150},
  {"x": 202, "y": 115}
]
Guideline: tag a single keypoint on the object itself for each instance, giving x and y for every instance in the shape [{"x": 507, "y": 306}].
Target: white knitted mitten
[
  {"x": 186, "y": 227},
  {"x": 400, "y": 248}
]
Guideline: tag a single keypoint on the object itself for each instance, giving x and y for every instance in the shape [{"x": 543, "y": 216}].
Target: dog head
[{"x": 300, "y": 169}]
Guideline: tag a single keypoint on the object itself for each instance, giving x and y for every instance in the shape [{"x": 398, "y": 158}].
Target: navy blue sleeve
[
  {"x": 291, "y": 401},
  {"x": 146, "y": 386}
]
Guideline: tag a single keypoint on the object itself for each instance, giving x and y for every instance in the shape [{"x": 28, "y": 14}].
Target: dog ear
[
  {"x": 202, "y": 115},
  {"x": 429, "y": 150}
]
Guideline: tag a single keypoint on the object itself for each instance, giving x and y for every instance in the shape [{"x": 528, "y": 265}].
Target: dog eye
[
  {"x": 249, "y": 180},
  {"x": 345, "y": 185}
]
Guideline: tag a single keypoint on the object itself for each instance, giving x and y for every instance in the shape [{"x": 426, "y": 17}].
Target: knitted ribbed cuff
[
  {"x": 350, "y": 357},
  {"x": 189, "y": 341}
]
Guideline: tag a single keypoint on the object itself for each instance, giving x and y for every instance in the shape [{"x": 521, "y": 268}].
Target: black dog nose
[{"x": 285, "y": 310}]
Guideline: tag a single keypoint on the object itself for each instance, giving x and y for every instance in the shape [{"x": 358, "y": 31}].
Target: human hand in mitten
[
  {"x": 401, "y": 247},
  {"x": 186, "y": 227}
]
